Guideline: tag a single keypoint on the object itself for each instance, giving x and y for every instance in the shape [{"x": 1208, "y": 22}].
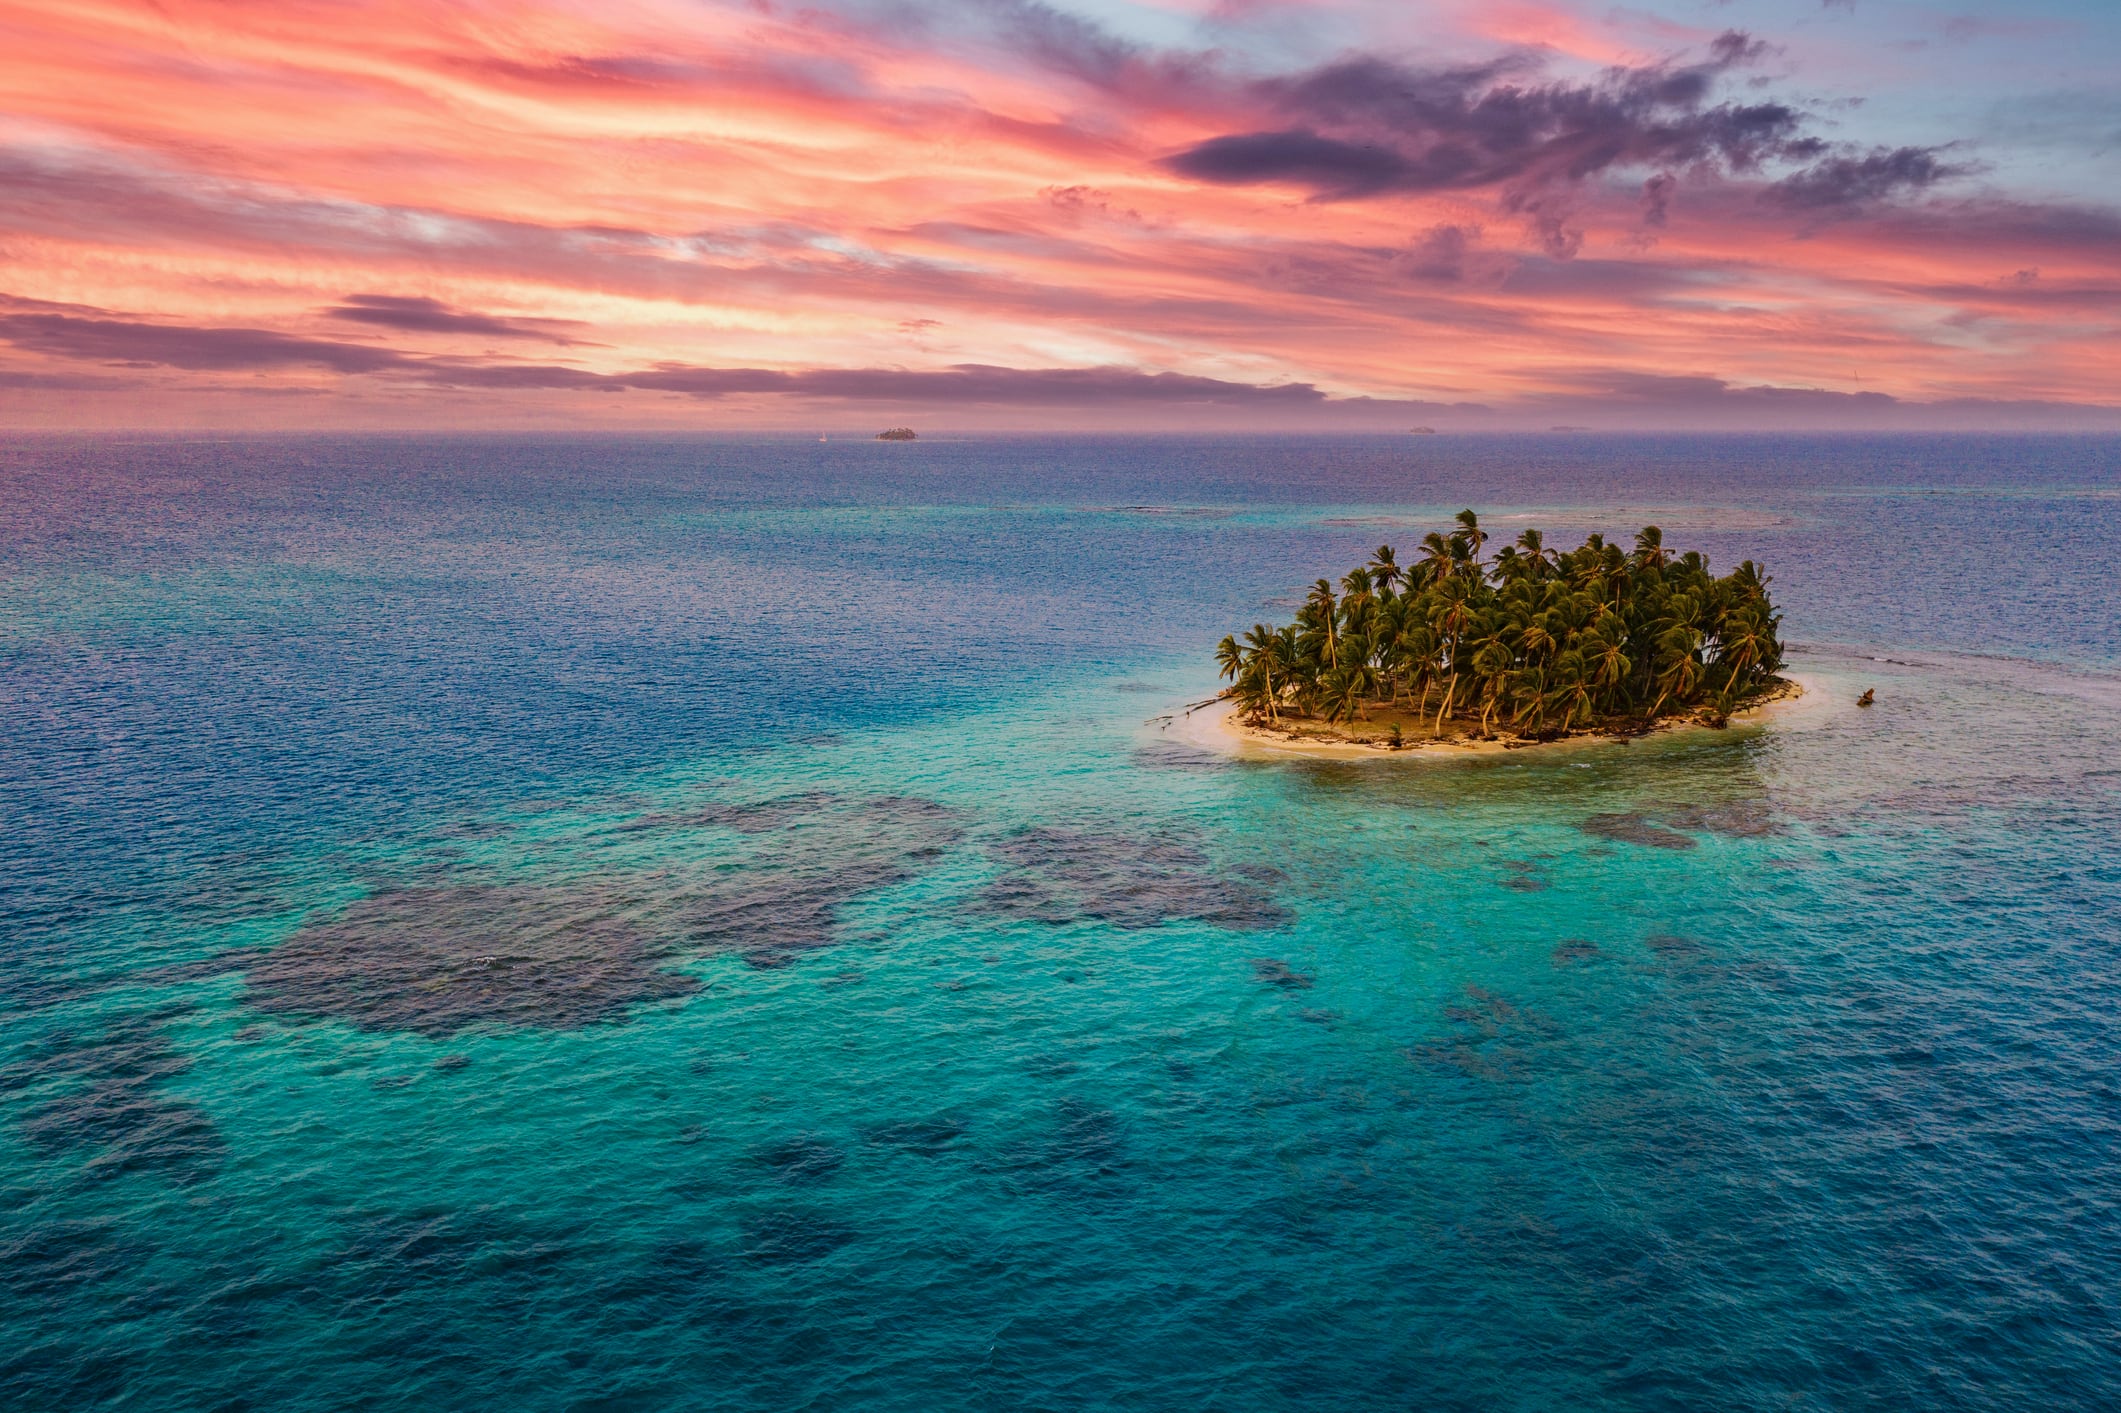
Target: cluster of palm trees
[{"x": 1538, "y": 641}]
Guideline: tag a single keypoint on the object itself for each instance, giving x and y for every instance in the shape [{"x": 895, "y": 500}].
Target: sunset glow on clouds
[{"x": 1188, "y": 213}]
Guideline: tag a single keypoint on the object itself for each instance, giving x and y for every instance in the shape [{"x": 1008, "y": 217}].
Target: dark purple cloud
[
  {"x": 1368, "y": 126},
  {"x": 417, "y": 314},
  {"x": 91, "y": 335},
  {"x": 1442, "y": 255},
  {"x": 130, "y": 343},
  {"x": 968, "y": 383},
  {"x": 1332, "y": 167},
  {"x": 1849, "y": 183},
  {"x": 12, "y": 380},
  {"x": 1616, "y": 399},
  {"x": 1657, "y": 199},
  {"x": 1608, "y": 386}
]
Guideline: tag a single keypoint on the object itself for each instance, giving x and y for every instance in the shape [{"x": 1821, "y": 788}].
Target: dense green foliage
[{"x": 1542, "y": 642}]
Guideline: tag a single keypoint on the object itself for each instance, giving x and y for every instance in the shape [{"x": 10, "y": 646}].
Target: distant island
[
  {"x": 1529, "y": 645},
  {"x": 898, "y": 434},
  {"x": 1422, "y": 431}
]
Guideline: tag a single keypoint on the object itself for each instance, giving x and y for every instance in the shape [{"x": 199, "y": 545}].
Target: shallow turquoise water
[{"x": 724, "y": 925}]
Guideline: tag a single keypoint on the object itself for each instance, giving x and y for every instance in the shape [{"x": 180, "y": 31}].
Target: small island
[
  {"x": 898, "y": 434},
  {"x": 1529, "y": 645}
]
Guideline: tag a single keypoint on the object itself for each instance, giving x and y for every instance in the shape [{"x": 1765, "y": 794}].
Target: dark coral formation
[
  {"x": 440, "y": 956},
  {"x": 1275, "y": 972},
  {"x": 1081, "y": 1150},
  {"x": 1670, "y": 826},
  {"x": 1635, "y": 829},
  {"x": 1130, "y": 880},
  {"x": 752, "y": 817},
  {"x": 1525, "y": 876},
  {"x": 1735, "y": 819},
  {"x": 825, "y": 852},
  {"x": 1162, "y": 754},
  {"x": 1494, "y": 1037},
  {"x": 54, "y": 1257},
  {"x": 923, "y": 1136},
  {"x": 800, "y": 1159},
  {"x": 100, "y": 1092},
  {"x": 434, "y": 960}
]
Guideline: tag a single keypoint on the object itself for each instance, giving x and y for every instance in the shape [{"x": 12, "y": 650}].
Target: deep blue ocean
[{"x": 536, "y": 923}]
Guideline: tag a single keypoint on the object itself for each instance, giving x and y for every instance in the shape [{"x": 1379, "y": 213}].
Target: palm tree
[
  {"x": 1439, "y": 559},
  {"x": 1536, "y": 637},
  {"x": 1470, "y": 533},
  {"x": 1453, "y": 612},
  {"x": 1572, "y": 690},
  {"x": 1341, "y": 694},
  {"x": 1264, "y": 658},
  {"x": 1679, "y": 668},
  {"x": 1530, "y": 686},
  {"x": 1491, "y": 665},
  {"x": 1321, "y": 603},
  {"x": 1532, "y": 549},
  {"x": 1422, "y": 653},
  {"x": 1356, "y": 600},
  {"x": 1609, "y": 660},
  {"x": 1747, "y": 642}
]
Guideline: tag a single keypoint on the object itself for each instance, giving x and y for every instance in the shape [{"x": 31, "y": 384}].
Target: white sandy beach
[{"x": 1216, "y": 726}]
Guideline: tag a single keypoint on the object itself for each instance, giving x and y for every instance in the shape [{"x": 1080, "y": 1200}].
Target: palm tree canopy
[{"x": 1548, "y": 640}]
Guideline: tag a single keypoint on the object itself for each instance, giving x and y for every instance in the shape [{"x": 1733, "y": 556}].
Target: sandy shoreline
[{"x": 1216, "y": 726}]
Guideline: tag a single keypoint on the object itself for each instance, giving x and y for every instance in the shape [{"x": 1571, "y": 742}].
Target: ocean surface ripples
[{"x": 658, "y": 923}]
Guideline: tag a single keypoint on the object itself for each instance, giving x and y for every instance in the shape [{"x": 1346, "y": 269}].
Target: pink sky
[{"x": 1003, "y": 213}]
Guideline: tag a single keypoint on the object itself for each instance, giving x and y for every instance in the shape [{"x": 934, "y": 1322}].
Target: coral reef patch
[{"x": 1131, "y": 880}]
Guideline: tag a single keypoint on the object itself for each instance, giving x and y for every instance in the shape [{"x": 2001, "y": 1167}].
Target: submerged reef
[
  {"x": 1275, "y": 972},
  {"x": 456, "y": 948},
  {"x": 99, "y": 1092},
  {"x": 433, "y": 960},
  {"x": 799, "y": 1159},
  {"x": 436, "y": 957},
  {"x": 1128, "y": 879},
  {"x": 1673, "y": 826},
  {"x": 1494, "y": 1038},
  {"x": 824, "y": 852}
]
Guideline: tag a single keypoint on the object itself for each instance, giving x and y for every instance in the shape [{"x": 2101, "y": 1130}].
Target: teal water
[{"x": 620, "y": 924}]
